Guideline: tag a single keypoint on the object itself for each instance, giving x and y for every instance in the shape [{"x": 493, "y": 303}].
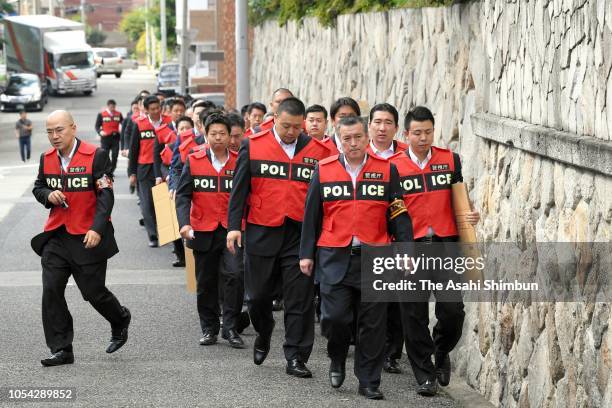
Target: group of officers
[{"x": 272, "y": 207}]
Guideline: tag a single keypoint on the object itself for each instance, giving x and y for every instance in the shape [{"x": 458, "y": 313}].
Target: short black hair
[
  {"x": 111, "y": 102},
  {"x": 184, "y": 119},
  {"x": 177, "y": 101},
  {"x": 385, "y": 107},
  {"x": 22, "y": 111},
  {"x": 293, "y": 106},
  {"x": 316, "y": 108},
  {"x": 351, "y": 121},
  {"x": 205, "y": 104},
  {"x": 217, "y": 117},
  {"x": 158, "y": 93},
  {"x": 235, "y": 120},
  {"x": 135, "y": 101},
  {"x": 144, "y": 93},
  {"x": 257, "y": 105},
  {"x": 418, "y": 114},
  {"x": 203, "y": 115},
  {"x": 149, "y": 100},
  {"x": 345, "y": 101},
  {"x": 244, "y": 109}
]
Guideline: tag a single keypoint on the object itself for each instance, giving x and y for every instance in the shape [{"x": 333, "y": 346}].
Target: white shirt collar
[
  {"x": 385, "y": 154},
  {"x": 217, "y": 164},
  {"x": 289, "y": 148},
  {"x": 354, "y": 172},
  {"x": 155, "y": 124},
  {"x": 416, "y": 160},
  {"x": 66, "y": 160}
]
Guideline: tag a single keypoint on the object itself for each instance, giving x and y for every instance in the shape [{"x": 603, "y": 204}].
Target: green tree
[
  {"x": 133, "y": 24},
  {"x": 94, "y": 36},
  {"x": 6, "y": 7}
]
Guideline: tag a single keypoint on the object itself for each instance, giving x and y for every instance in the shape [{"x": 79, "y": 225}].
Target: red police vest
[
  {"x": 279, "y": 184},
  {"x": 211, "y": 191},
  {"x": 329, "y": 143},
  {"x": 186, "y": 146},
  {"x": 427, "y": 193},
  {"x": 397, "y": 148},
  {"x": 359, "y": 211},
  {"x": 78, "y": 186},
  {"x": 166, "y": 137},
  {"x": 110, "y": 122},
  {"x": 147, "y": 135}
]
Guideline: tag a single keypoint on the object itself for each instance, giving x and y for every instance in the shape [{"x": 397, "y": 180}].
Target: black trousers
[
  {"x": 395, "y": 335},
  {"x": 261, "y": 276},
  {"x": 339, "y": 302},
  {"x": 25, "y": 147},
  {"x": 147, "y": 209},
  {"x": 57, "y": 266},
  {"x": 111, "y": 145},
  {"x": 420, "y": 345},
  {"x": 217, "y": 269}
]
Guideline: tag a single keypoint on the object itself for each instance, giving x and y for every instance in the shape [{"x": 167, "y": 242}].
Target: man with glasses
[{"x": 74, "y": 182}]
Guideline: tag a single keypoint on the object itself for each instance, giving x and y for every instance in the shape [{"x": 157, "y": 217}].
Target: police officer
[
  {"x": 141, "y": 159},
  {"x": 426, "y": 175},
  {"x": 74, "y": 182},
  {"x": 348, "y": 201},
  {"x": 272, "y": 174},
  {"x": 201, "y": 203},
  {"x": 108, "y": 124},
  {"x": 342, "y": 108},
  {"x": 383, "y": 125}
]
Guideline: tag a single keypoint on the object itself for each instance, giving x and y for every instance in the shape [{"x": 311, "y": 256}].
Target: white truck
[{"x": 53, "y": 48}]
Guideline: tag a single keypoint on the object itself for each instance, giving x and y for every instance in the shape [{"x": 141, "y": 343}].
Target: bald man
[{"x": 74, "y": 181}]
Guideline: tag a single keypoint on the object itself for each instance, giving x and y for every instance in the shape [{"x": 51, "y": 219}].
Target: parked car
[
  {"x": 107, "y": 61},
  {"x": 23, "y": 91},
  {"x": 168, "y": 78},
  {"x": 128, "y": 63}
]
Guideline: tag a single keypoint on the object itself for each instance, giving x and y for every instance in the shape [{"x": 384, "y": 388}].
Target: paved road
[{"x": 162, "y": 364}]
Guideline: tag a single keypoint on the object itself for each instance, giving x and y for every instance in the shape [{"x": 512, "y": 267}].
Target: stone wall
[{"x": 543, "y": 62}]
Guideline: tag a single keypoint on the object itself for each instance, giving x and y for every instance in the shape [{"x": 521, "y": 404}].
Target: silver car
[{"x": 107, "y": 61}]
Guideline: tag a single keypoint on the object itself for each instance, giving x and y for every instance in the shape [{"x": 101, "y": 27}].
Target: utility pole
[
  {"x": 153, "y": 48},
  {"x": 147, "y": 34},
  {"x": 164, "y": 34},
  {"x": 242, "y": 54},
  {"x": 83, "y": 17},
  {"x": 184, "y": 47}
]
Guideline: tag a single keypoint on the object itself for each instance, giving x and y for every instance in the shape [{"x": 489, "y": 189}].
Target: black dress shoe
[
  {"x": 428, "y": 389},
  {"x": 119, "y": 336},
  {"x": 178, "y": 263},
  {"x": 60, "y": 358},
  {"x": 233, "y": 338},
  {"x": 298, "y": 369},
  {"x": 337, "y": 373},
  {"x": 208, "y": 339},
  {"x": 261, "y": 348},
  {"x": 391, "y": 365},
  {"x": 443, "y": 369},
  {"x": 141, "y": 222},
  {"x": 242, "y": 322},
  {"x": 153, "y": 243},
  {"x": 372, "y": 393}
]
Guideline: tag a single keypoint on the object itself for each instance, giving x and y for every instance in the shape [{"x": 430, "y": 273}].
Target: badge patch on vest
[
  {"x": 310, "y": 160},
  {"x": 337, "y": 191},
  {"x": 205, "y": 184},
  {"x": 372, "y": 176},
  {"x": 438, "y": 181},
  {"x": 80, "y": 169},
  {"x": 106, "y": 119},
  {"x": 270, "y": 169},
  {"x": 439, "y": 167},
  {"x": 412, "y": 184},
  {"x": 229, "y": 172},
  {"x": 372, "y": 190}
]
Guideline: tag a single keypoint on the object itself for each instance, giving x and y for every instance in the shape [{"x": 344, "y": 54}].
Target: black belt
[
  {"x": 428, "y": 239},
  {"x": 356, "y": 250}
]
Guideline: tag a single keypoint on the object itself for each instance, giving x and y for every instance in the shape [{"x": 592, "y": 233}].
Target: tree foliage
[
  {"x": 326, "y": 10},
  {"x": 133, "y": 23},
  {"x": 95, "y": 37}
]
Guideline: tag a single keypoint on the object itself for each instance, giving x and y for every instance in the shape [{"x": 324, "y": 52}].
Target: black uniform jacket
[{"x": 104, "y": 206}]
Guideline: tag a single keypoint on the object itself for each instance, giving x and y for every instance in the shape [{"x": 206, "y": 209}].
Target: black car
[{"x": 23, "y": 91}]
